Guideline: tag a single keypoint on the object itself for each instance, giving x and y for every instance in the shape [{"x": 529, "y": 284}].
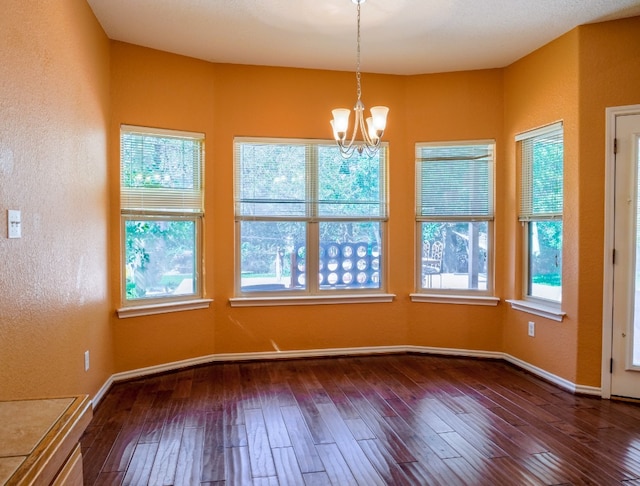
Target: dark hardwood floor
[{"x": 391, "y": 419}]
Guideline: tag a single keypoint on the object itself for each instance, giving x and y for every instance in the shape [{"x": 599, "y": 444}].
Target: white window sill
[
  {"x": 538, "y": 309},
  {"x": 310, "y": 300},
  {"x": 163, "y": 308},
  {"x": 455, "y": 299}
]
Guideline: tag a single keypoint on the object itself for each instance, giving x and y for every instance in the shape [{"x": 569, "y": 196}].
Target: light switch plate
[{"x": 14, "y": 223}]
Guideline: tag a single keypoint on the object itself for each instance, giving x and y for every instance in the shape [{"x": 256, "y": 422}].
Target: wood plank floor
[{"x": 374, "y": 420}]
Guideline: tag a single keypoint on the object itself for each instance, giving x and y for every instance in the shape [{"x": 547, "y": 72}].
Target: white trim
[
  {"x": 555, "y": 379},
  {"x": 543, "y": 130},
  {"x": 609, "y": 227},
  {"x": 97, "y": 398},
  {"x": 455, "y": 299},
  {"x": 142, "y": 130},
  {"x": 275, "y": 300},
  {"x": 317, "y": 353},
  {"x": 553, "y": 313},
  {"x": 163, "y": 308}
]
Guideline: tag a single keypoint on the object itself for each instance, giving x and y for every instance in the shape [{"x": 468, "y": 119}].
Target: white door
[{"x": 625, "y": 339}]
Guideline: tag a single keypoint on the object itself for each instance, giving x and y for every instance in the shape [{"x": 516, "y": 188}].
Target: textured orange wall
[
  {"x": 540, "y": 89},
  {"x": 609, "y": 59},
  {"x": 574, "y": 79},
  {"x": 54, "y": 301},
  {"x": 446, "y": 107},
  {"x": 223, "y": 101},
  {"x": 231, "y": 100}
]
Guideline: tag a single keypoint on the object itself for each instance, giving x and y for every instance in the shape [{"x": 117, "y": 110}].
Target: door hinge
[
  {"x": 615, "y": 145},
  {"x": 610, "y": 365},
  {"x": 613, "y": 257}
]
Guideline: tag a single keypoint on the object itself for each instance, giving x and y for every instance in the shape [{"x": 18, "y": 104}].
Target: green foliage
[
  {"x": 159, "y": 255},
  {"x": 548, "y": 176}
]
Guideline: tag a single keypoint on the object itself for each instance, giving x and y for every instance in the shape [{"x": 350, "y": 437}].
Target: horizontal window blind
[
  {"x": 305, "y": 179},
  {"x": 270, "y": 179},
  {"x": 161, "y": 170},
  {"x": 454, "y": 181},
  {"x": 542, "y": 159}
]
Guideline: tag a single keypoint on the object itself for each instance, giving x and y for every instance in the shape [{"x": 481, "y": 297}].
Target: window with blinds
[
  {"x": 307, "y": 220},
  {"x": 542, "y": 174},
  {"x": 161, "y": 204},
  {"x": 454, "y": 215},
  {"x": 541, "y": 206}
]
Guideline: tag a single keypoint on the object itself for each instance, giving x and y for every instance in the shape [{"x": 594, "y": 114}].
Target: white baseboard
[
  {"x": 317, "y": 353},
  {"x": 550, "y": 377}
]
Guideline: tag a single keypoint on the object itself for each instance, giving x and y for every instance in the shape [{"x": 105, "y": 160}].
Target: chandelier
[{"x": 375, "y": 124}]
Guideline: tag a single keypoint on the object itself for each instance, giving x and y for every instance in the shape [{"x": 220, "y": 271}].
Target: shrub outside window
[
  {"x": 161, "y": 201},
  {"x": 308, "y": 221},
  {"x": 454, "y": 216},
  {"x": 541, "y": 207}
]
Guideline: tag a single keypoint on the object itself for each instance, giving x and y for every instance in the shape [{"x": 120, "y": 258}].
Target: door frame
[{"x": 609, "y": 226}]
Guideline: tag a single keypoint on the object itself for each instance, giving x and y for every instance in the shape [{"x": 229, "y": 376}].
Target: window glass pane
[
  {"x": 349, "y": 187},
  {"x": 542, "y": 174},
  {"x": 350, "y": 255},
  {"x": 269, "y": 250},
  {"x": 545, "y": 260},
  {"x": 160, "y": 258},
  {"x": 454, "y": 255},
  {"x": 270, "y": 179}
]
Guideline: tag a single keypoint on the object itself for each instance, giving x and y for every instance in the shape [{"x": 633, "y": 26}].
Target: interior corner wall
[
  {"x": 54, "y": 101},
  {"x": 540, "y": 89}
]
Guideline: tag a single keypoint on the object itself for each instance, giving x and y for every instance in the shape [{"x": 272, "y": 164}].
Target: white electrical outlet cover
[{"x": 14, "y": 223}]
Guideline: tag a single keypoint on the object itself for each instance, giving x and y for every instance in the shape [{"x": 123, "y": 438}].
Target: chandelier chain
[
  {"x": 359, "y": 89},
  {"x": 371, "y": 128}
]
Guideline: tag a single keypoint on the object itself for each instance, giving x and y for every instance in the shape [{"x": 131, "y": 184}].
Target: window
[
  {"x": 541, "y": 201},
  {"x": 308, "y": 222},
  {"x": 454, "y": 217},
  {"x": 161, "y": 201}
]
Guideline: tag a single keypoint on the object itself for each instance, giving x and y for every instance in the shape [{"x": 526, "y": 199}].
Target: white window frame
[
  {"x": 312, "y": 293},
  {"x": 549, "y": 308},
  {"x": 162, "y": 205},
  {"x": 454, "y": 295}
]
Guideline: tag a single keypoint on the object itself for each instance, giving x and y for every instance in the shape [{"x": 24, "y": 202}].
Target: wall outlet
[
  {"x": 532, "y": 329},
  {"x": 86, "y": 360},
  {"x": 14, "y": 223}
]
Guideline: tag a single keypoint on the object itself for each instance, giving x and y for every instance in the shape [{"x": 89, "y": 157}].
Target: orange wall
[
  {"x": 540, "y": 89},
  {"x": 231, "y": 100},
  {"x": 55, "y": 300},
  {"x": 446, "y": 107},
  {"x": 224, "y": 101},
  {"x": 153, "y": 88},
  {"x": 609, "y": 61},
  {"x": 574, "y": 79}
]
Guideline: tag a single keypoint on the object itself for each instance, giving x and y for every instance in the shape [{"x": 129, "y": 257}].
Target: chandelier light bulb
[{"x": 379, "y": 115}]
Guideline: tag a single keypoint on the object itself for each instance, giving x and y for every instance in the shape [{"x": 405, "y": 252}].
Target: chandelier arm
[
  {"x": 351, "y": 145},
  {"x": 365, "y": 132}
]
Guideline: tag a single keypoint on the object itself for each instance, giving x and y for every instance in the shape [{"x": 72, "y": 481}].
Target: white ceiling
[{"x": 398, "y": 36}]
